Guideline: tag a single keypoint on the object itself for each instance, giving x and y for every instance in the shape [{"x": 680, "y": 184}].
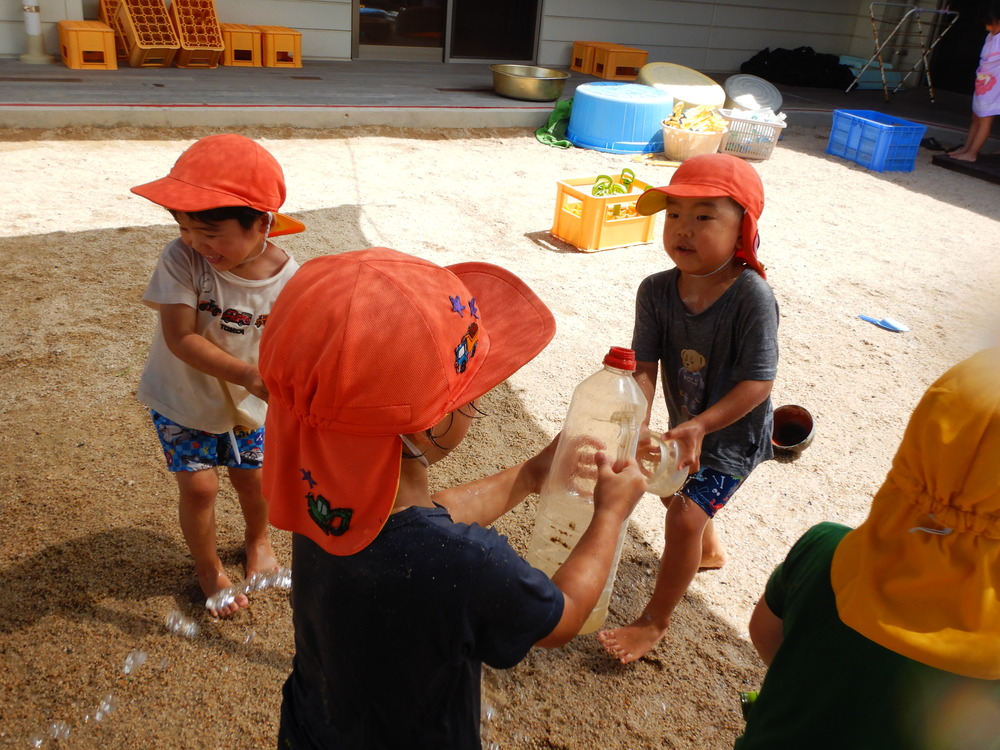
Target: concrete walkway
[{"x": 329, "y": 94}]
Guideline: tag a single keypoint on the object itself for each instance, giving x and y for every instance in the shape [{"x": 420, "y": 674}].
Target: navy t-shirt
[{"x": 389, "y": 642}]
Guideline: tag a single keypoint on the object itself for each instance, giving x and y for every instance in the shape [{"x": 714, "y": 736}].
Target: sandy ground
[{"x": 92, "y": 560}]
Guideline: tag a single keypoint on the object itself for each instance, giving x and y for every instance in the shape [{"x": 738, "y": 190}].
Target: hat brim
[
  {"x": 285, "y": 224},
  {"x": 175, "y": 195},
  {"x": 178, "y": 195},
  {"x": 654, "y": 200},
  {"x": 517, "y": 336}
]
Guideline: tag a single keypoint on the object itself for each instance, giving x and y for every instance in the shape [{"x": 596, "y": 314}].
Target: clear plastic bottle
[{"x": 605, "y": 414}]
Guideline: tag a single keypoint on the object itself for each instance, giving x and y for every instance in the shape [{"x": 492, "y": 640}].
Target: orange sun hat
[
  {"x": 363, "y": 347},
  {"x": 716, "y": 176},
  {"x": 224, "y": 170}
]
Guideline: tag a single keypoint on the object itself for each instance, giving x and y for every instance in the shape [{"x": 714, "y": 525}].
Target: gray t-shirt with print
[{"x": 703, "y": 356}]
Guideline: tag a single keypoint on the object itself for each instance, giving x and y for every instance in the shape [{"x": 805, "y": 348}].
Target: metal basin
[
  {"x": 528, "y": 82},
  {"x": 793, "y": 428}
]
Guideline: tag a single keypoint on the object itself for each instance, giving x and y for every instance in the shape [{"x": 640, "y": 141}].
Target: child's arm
[
  {"x": 645, "y": 377},
  {"x": 765, "y": 631},
  {"x": 178, "y": 323},
  {"x": 582, "y": 577},
  {"x": 740, "y": 401},
  {"x": 485, "y": 500}
]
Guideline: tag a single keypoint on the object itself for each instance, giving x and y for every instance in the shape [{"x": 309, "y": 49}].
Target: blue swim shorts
[
  {"x": 710, "y": 489},
  {"x": 193, "y": 450}
]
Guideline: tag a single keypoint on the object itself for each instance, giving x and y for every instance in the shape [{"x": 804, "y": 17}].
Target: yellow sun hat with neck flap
[{"x": 921, "y": 575}]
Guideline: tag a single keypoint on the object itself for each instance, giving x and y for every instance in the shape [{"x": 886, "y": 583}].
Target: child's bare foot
[
  {"x": 260, "y": 557},
  {"x": 712, "y": 561},
  {"x": 212, "y": 582},
  {"x": 633, "y": 641}
]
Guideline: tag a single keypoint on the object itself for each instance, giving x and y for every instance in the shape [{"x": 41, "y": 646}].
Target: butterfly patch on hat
[{"x": 332, "y": 521}]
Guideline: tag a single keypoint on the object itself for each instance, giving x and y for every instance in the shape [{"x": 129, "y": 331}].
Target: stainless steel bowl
[{"x": 528, "y": 82}]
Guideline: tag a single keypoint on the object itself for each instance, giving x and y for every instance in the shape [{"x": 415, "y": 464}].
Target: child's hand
[
  {"x": 540, "y": 465},
  {"x": 254, "y": 383},
  {"x": 618, "y": 487},
  {"x": 689, "y": 436}
]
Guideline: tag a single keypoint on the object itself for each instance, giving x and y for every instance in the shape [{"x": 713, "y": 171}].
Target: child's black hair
[
  {"x": 245, "y": 215},
  {"x": 993, "y": 12}
]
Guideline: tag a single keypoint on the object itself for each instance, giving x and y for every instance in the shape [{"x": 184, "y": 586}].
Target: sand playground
[{"x": 92, "y": 561}]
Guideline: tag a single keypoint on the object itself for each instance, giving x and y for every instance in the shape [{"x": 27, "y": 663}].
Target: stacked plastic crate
[
  {"x": 281, "y": 47},
  {"x": 199, "y": 33},
  {"x": 614, "y": 62},
  {"x": 87, "y": 45},
  {"x": 242, "y": 43},
  {"x": 107, "y": 12},
  {"x": 150, "y": 40}
]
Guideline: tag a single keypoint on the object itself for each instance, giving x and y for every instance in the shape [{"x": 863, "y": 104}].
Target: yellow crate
[
  {"x": 617, "y": 63},
  {"x": 149, "y": 36},
  {"x": 281, "y": 47},
  {"x": 87, "y": 45},
  {"x": 107, "y": 12},
  {"x": 198, "y": 32},
  {"x": 582, "y": 60},
  {"x": 592, "y": 222},
  {"x": 242, "y": 43}
]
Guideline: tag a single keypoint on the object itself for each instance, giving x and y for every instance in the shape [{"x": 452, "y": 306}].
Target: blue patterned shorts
[
  {"x": 193, "y": 450},
  {"x": 710, "y": 489}
]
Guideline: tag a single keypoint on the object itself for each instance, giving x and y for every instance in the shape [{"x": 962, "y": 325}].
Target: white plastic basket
[{"x": 747, "y": 138}]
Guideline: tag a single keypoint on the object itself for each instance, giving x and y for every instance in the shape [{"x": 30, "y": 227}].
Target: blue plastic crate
[{"x": 879, "y": 142}]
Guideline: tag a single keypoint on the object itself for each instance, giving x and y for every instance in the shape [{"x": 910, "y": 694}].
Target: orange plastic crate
[
  {"x": 591, "y": 222},
  {"x": 87, "y": 45},
  {"x": 582, "y": 60},
  {"x": 107, "y": 12},
  {"x": 618, "y": 63},
  {"x": 242, "y": 43},
  {"x": 281, "y": 47},
  {"x": 198, "y": 32},
  {"x": 149, "y": 36}
]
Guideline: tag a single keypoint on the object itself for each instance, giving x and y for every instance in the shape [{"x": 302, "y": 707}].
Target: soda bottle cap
[{"x": 621, "y": 358}]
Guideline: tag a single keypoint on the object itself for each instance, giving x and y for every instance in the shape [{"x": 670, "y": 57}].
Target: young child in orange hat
[
  {"x": 213, "y": 288},
  {"x": 376, "y": 362},
  {"x": 708, "y": 328}
]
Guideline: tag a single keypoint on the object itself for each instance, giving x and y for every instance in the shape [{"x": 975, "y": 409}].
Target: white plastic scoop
[{"x": 889, "y": 324}]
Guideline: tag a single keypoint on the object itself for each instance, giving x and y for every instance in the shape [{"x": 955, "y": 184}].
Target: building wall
[{"x": 710, "y": 35}]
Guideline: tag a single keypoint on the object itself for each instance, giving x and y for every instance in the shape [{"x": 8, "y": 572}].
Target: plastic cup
[{"x": 663, "y": 478}]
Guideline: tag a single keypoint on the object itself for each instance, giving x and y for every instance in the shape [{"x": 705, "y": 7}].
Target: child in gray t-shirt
[{"x": 711, "y": 323}]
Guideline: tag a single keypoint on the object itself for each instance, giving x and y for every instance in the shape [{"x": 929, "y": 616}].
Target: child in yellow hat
[{"x": 888, "y": 635}]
